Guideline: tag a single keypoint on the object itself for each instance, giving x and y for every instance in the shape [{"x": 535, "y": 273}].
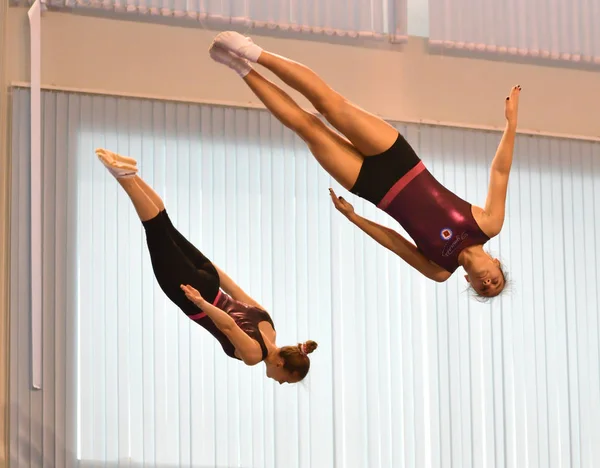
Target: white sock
[
  {"x": 239, "y": 45},
  {"x": 122, "y": 172},
  {"x": 237, "y": 64}
]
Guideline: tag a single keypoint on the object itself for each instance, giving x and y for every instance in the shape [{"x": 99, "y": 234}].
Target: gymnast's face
[
  {"x": 486, "y": 277},
  {"x": 279, "y": 374}
]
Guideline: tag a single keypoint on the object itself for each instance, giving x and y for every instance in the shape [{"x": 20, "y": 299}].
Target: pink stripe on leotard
[
  {"x": 400, "y": 185},
  {"x": 203, "y": 314}
]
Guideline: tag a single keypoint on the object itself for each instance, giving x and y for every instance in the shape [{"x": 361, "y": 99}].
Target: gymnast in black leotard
[{"x": 201, "y": 290}]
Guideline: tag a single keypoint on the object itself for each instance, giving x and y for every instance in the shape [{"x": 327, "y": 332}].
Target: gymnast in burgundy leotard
[
  {"x": 441, "y": 223},
  {"x": 202, "y": 291},
  {"x": 448, "y": 231},
  {"x": 377, "y": 163}
]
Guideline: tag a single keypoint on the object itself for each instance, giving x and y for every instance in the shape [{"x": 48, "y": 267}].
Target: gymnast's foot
[
  {"x": 124, "y": 159},
  {"x": 120, "y": 167},
  {"x": 237, "y": 64},
  {"x": 238, "y": 44}
]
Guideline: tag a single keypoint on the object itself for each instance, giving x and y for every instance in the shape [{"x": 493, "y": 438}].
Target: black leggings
[{"x": 176, "y": 261}]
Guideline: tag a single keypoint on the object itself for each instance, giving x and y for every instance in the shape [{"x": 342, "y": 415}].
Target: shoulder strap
[
  {"x": 262, "y": 344},
  {"x": 266, "y": 318}
]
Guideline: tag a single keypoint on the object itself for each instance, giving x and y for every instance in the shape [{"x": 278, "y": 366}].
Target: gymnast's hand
[
  {"x": 512, "y": 105},
  {"x": 341, "y": 205},
  {"x": 193, "y": 295}
]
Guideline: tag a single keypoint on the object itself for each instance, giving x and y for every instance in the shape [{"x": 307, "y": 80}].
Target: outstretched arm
[
  {"x": 234, "y": 290},
  {"x": 495, "y": 204},
  {"x": 247, "y": 349},
  {"x": 393, "y": 241}
]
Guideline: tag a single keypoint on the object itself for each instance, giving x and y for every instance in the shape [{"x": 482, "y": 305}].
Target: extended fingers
[
  {"x": 514, "y": 92},
  {"x": 334, "y": 196},
  {"x": 336, "y": 200},
  {"x": 188, "y": 290}
]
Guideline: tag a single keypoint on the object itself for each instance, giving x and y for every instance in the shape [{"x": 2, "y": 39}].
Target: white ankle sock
[
  {"x": 240, "y": 45},
  {"x": 122, "y": 172},
  {"x": 237, "y": 64}
]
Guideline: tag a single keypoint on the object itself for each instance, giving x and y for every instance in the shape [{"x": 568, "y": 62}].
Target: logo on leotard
[
  {"x": 446, "y": 234},
  {"x": 451, "y": 247}
]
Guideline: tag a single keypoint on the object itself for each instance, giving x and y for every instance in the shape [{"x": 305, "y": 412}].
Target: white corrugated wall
[
  {"x": 407, "y": 373},
  {"x": 564, "y": 30}
]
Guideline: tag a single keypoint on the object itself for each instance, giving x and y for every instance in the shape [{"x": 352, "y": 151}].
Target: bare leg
[
  {"x": 150, "y": 193},
  {"x": 146, "y": 202},
  {"x": 367, "y": 132},
  {"x": 370, "y": 134},
  {"x": 335, "y": 154},
  {"x": 142, "y": 203}
]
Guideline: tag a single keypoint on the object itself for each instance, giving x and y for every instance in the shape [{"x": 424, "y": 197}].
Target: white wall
[
  {"x": 399, "y": 83},
  {"x": 408, "y": 372}
]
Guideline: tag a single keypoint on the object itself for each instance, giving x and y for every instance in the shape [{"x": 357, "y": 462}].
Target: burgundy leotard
[
  {"x": 441, "y": 223},
  {"x": 246, "y": 317}
]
